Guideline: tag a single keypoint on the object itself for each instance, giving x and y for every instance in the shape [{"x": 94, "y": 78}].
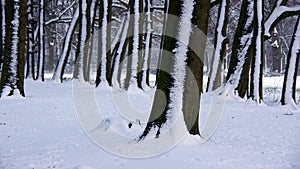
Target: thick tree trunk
[
  {"x": 168, "y": 105},
  {"x": 194, "y": 70},
  {"x": 165, "y": 80},
  {"x": 12, "y": 77}
]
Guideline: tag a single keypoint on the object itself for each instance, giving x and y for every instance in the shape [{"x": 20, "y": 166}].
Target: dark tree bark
[
  {"x": 1, "y": 36},
  {"x": 290, "y": 76},
  {"x": 104, "y": 44},
  {"x": 141, "y": 49},
  {"x": 194, "y": 71},
  {"x": 256, "y": 88},
  {"x": 41, "y": 46},
  {"x": 12, "y": 77},
  {"x": 163, "y": 99},
  {"x": 108, "y": 44},
  {"x": 240, "y": 61},
  {"x": 130, "y": 34},
  {"x": 147, "y": 7},
  {"x": 220, "y": 42},
  {"x": 82, "y": 39}
]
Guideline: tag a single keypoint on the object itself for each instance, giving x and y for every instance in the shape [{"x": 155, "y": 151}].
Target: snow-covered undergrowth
[{"x": 42, "y": 131}]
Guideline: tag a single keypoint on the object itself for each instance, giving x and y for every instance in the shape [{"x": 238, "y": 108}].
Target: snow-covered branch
[
  {"x": 279, "y": 13},
  {"x": 59, "y": 17}
]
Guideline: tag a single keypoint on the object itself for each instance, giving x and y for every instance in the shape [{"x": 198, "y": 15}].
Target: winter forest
[{"x": 216, "y": 79}]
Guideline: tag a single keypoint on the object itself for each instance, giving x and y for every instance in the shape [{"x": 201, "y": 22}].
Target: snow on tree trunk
[
  {"x": 3, "y": 32},
  {"x": 108, "y": 42},
  {"x": 59, "y": 70},
  {"x": 12, "y": 77},
  {"x": 220, "y": 47},
  {"x": 241, "y": 45},
  {"x": 194, "y": 69},
  {"x": 147, "y": 44},
  {"x": 103, "y": 46},
  {"x": 141, "y": 57},
  {"x": 133, "y": 48},
  {"x": 289, "y": 76},
  {"x": 169, "y": 93},
  {"x": 258, "y": 40},
  {"x": 41, "y": 57},
  {"x": 78, "y": 71},
  {"x": 117, "y": 58},
  {"x": 30, "y": 37}
]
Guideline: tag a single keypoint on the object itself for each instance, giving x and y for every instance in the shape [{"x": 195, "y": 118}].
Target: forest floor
[{"x": 43, "y": 131}]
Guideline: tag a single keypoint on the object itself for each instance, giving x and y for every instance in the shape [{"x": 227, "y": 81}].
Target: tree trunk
[
  {"x": 241, "y": 50},
  {"x": 82, "y": 38},
  {"x": 141, "y": 56},
  {"x": 2, "y": 32},
  {"x": 12, "y": 77},
  {"x": 220, "y": 46},
  {"x": 149, "y": 36},
  {"x": 194, "y": 71},
  {"x": 133, "y": 45},
  {"x": 258, "y": 41},
  {"x": 104, "y": 48},
  {"x": 41, "y": 56},
  {"x": 63, "y": 59},
  {"x": 117, "y": 62},
  {"x": 167, "y": 105},
  {"x": 289, "y": 87},
  {"x": 108, "y": 44}
]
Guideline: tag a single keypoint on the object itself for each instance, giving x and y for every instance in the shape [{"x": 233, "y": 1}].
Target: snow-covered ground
[{"x": 42, "y": 131}]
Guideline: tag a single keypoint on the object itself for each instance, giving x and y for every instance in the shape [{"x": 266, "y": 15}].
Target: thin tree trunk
[
  {"x": 63, "y": 59},
  {"x": 108, "y": 44},
  {"x": 41, "y": 56},
  {"x": 288, "y": 89},
  {"x": 140, "y": 34},
  {"x": 2, "y": 3},
  {"x": 256, "y": 75},
  {"x": 104, "y": 52},
  {"x": 82, "y": 38},
  {"x": 131, "y": 46},
  {"x": 117, "y": 62},
  {"x": 240, "y": 50},
  {"x": 148, "y": 44},
  {"x": 220, "y": 46}
]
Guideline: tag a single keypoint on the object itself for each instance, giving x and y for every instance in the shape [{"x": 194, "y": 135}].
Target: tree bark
[
  {"x": 290, "y": 75},
  {"x": 12, "y": 77},
  {"x": 194, "y": 70}
]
